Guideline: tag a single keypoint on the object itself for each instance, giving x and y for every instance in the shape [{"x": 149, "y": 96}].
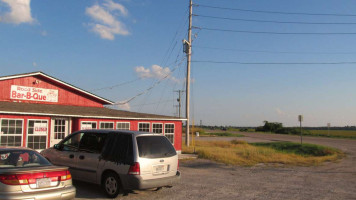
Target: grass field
[
  {"x": 333, "y": 133},
  {"x": 241, "y": 153}
]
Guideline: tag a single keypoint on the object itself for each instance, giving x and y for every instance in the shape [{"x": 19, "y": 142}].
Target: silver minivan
[{"x": 117, "y": 160}]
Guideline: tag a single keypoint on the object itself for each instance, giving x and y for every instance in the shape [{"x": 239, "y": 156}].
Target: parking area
[{"x": 203, "y": 179}]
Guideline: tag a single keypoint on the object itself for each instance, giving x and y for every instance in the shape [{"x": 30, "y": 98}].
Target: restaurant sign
[{"x": 33, "y": 94}]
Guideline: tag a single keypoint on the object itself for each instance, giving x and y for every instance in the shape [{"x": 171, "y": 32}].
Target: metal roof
[{"x": 17, "y": 108}]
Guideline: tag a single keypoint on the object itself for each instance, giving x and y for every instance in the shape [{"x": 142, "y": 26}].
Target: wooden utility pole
[
  {"x": 179, "y": 101},
  {"x": 300, "y": 119},
  {"x": 189, "y": 55}
]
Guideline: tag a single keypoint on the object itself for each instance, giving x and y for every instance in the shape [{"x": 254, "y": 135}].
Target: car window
[
  {"x": 155, "y": 147},
  {"x": 92, "y": 142},
  {"x": 21, "y": 158},
  {"x": 72, "y": 142},
  {"x": 118, "y": 148}
]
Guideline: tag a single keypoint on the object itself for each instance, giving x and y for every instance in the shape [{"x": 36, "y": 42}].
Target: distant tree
[{"x": 272, "y": 126}]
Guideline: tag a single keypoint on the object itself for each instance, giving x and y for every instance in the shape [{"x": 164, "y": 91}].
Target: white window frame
[
  {"x": 149, "y": 126},
  {"x": 174, "y": 130},
  {"x": 22, "y": 128},
  {"x": 28, "y": 126},
  {"x": 154, "y": 128},
  {"x": 66, "y": 127},
  {"x": 91, "y": 122},
  {"x": 113, "y": 125},
  {"x": 117, "y": 124}
]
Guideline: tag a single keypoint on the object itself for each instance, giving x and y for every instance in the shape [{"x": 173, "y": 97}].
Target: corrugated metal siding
[{"x": 66, "y": 96}]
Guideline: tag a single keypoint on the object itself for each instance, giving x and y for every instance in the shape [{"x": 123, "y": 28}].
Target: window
[
  {"x": 145, "y": 127},
  {"x": 106, "y": 125},
  {"x": 59, "y": 128},
  {"x": 21, "y": 158},
  {"x": 118, "y": 148},
  {"x": 92, "y": 142},
  {"x": 88, "y": 125},
  {"x": 154, "y": 147},
  {"x": 169, "y": 132},
  {"x": 123, "y": 126},
  {"x": 157, "y": 128},
  {"x": 72, "y": 143},
  {"x": 37, "y": 134},
  {"x": 11, "y": 132}
]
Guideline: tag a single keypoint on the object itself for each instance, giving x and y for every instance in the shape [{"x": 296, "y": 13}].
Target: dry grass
[{"x": 244, "y": 154}]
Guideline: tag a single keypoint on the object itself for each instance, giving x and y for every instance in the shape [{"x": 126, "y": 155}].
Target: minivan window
[
  {"x": 118, "y": 148},
  {"x": 72, "y": 142},
  {"x": 155, "y": 147},
  {"x": 92, "y": 142}
]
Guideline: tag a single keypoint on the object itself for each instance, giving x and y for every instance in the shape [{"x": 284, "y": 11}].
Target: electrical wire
[
  {"x": 276, "y": 12},
  {"x": 167, "y": 55},
  {"x": 117, "y": 85},
  {"x": 150, "y": 88},
  {"x": 275, "y": 63},
  {"x": 275, "y": 33},
  {"x": 277, "y": 22},
  {"x": 153, "y": 103},
  {"x": 272, "y": 52}
]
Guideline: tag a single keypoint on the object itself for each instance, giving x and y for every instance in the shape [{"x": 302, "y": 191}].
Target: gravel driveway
[{"x": 203, "y": 179}]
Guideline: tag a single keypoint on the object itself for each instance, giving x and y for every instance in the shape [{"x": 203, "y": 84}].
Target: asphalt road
[{"x": 203, "y": 179}]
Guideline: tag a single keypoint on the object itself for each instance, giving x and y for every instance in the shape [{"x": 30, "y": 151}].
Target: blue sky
[{"x": 119, "y": 49}]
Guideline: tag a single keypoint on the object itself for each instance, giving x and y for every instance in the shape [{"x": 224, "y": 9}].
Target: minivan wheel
[{"x": 111, "y": 184}]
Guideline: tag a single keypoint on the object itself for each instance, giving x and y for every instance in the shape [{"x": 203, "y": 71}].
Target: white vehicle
[{"x": 117, "y": 160}]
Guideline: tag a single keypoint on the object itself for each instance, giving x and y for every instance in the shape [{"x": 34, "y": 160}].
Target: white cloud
[
  {"x": 106, "y": 23},
  {"x": 142, "y": 72},
  {"x": 112, "y": 6},
  {"x": 156, "y": 72},
  {"x": 122, "y": 105},
  {"x": 280, "y": 112},
  {"x": 20, "y": 12}
]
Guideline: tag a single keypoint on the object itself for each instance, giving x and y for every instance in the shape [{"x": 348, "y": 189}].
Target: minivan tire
[{"x": 111, "y": 184}]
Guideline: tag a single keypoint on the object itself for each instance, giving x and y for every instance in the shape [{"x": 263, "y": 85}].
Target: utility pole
[
  {"x": 176, "y": 113},
  {"x": 188, "y": 44},
  {"x": 179, "y": 101},
  {"x": 300, "y": 119}
]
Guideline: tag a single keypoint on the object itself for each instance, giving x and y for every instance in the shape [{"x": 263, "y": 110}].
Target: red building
[{"x": 38, "y": 110}]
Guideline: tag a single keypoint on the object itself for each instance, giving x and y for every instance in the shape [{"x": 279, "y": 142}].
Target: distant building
[{"x": 38, "y": 110}]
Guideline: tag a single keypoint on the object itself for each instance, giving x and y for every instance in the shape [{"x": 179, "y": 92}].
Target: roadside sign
[{"x": 300, "y": 118}]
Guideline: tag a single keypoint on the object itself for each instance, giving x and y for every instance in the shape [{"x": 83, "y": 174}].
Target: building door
[{"x": 59, "y": 130}]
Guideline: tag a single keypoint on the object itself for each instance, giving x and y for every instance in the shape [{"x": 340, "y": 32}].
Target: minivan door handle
[
  {"x": 71, "y": 156},
  {"x": 81, "y": 157}
]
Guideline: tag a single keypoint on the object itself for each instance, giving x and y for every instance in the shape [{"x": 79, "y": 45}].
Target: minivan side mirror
[{"x": 58, "y": 146}]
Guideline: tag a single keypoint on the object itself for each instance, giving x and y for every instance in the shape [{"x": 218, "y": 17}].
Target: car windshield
[
  {"x": 155, "y": 147},
  {"x": 20, "y": 158}
]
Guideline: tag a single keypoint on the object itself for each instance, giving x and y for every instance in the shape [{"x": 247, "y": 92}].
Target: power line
[
  {"x": 153, "y": 86},
  {"x": 275, "y": 63},
  {"x": 153, "y": 103},
  {"x": 272, "y": 52},
  {"x": 275, "y": 33},
  {"x": 277, "y": 22},
  {"x": 167, "y": 56},
  {"x": 277, "y": 12},
  {"x": 117, "y": 85}
]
